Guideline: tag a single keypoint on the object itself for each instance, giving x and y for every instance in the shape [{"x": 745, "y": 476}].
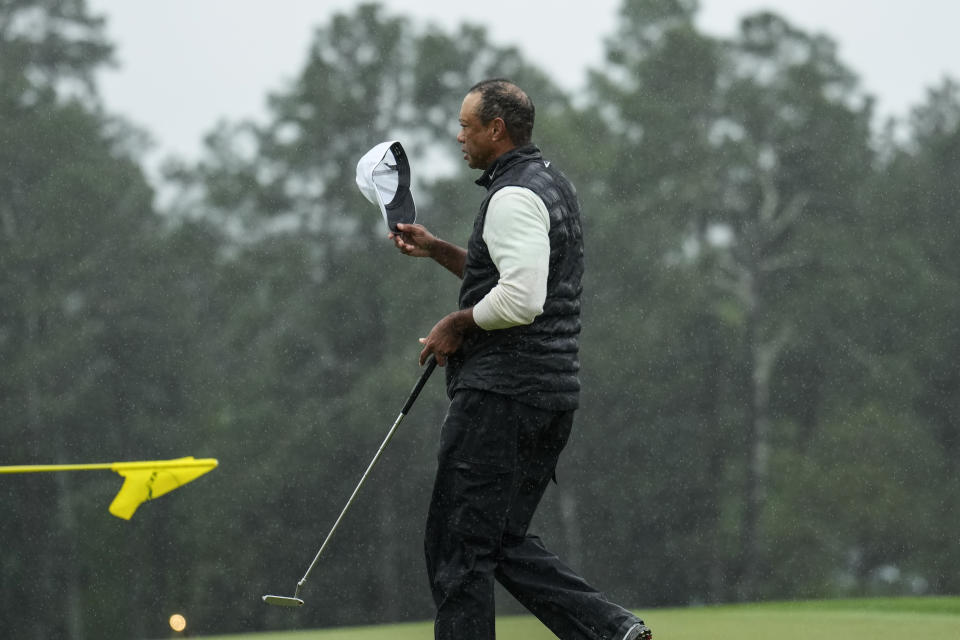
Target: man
[{"x": 511, "y": 356}]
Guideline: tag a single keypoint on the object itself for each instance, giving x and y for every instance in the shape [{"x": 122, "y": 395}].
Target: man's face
[{"x": 475, "y": 138}]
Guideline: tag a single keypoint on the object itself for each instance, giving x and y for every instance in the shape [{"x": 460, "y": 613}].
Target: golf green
[{"x": 868, "y": 619}]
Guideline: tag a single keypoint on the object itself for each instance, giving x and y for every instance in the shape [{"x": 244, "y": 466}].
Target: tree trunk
[
  {"x": 572, "y": 532},
  {"x": 390, "y": 579},
  {"x": 72, "y": 607},
  {"x": 763, "y": 359}
]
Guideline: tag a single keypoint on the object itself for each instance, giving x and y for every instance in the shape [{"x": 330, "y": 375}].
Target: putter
[{"x": 295, "y": 601}]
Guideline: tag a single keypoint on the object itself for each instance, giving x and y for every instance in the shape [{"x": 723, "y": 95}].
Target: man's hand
[
  {"x": 447, "y": 336},
  {"x": 413, "y": 240}
]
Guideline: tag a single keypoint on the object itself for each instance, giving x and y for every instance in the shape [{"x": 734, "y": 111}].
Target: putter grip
[{"x": 431, "y": 365}]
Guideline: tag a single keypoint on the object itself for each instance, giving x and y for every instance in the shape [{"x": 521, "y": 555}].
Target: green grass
[{"x": 868, "y": 619}]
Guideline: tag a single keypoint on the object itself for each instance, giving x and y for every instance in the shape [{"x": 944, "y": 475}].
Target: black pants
[{"x": 496, "y": 458}]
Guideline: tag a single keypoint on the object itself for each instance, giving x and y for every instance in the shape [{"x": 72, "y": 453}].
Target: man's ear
[{"x": 498, "y": 129}]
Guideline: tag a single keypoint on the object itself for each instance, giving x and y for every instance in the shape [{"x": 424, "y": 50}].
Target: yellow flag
[{"x": 144, "y": 480}]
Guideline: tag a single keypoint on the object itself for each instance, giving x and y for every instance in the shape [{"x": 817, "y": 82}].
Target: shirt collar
[{"x": 507, "y": 160}]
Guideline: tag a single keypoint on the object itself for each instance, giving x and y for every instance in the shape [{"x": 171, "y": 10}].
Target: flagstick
[{"x": 111, "y": 466}]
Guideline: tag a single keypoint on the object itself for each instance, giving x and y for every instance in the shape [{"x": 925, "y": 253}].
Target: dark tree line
[{"x": 771, "y": 398}]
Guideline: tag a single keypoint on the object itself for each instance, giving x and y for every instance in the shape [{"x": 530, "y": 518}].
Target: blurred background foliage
[{"x": 771, "y": 403}]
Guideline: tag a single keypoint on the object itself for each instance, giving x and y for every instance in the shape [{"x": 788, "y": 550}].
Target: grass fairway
[{"x": 916, "y": 618}]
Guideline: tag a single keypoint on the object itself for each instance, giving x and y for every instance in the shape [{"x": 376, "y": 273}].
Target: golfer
[{"x": 511, "y": 357}]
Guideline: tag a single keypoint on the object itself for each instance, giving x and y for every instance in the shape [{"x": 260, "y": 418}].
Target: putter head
[{"x": 283, "y": 601}]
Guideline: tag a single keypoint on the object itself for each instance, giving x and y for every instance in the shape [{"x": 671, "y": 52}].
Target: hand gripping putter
[{"x": 295, "y": 601}]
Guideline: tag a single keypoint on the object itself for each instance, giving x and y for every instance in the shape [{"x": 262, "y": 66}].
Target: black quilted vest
[{"x": 536, "y": 363}]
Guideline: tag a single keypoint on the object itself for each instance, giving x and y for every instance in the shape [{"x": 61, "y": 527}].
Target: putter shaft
[{"x": 295, "y": 601}]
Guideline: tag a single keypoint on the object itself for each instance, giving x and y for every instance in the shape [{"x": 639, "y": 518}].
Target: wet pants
[{"x": 496, "y": 457}]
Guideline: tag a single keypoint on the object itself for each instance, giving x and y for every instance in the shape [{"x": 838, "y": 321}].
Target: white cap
[{"x": 383, "y": 175}]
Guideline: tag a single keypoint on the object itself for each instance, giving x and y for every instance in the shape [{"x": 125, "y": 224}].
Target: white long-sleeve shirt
[{"x": 516, "y": 231}]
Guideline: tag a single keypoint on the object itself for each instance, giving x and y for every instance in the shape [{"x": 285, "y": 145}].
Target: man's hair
[{"x": 501, "y": 98}]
